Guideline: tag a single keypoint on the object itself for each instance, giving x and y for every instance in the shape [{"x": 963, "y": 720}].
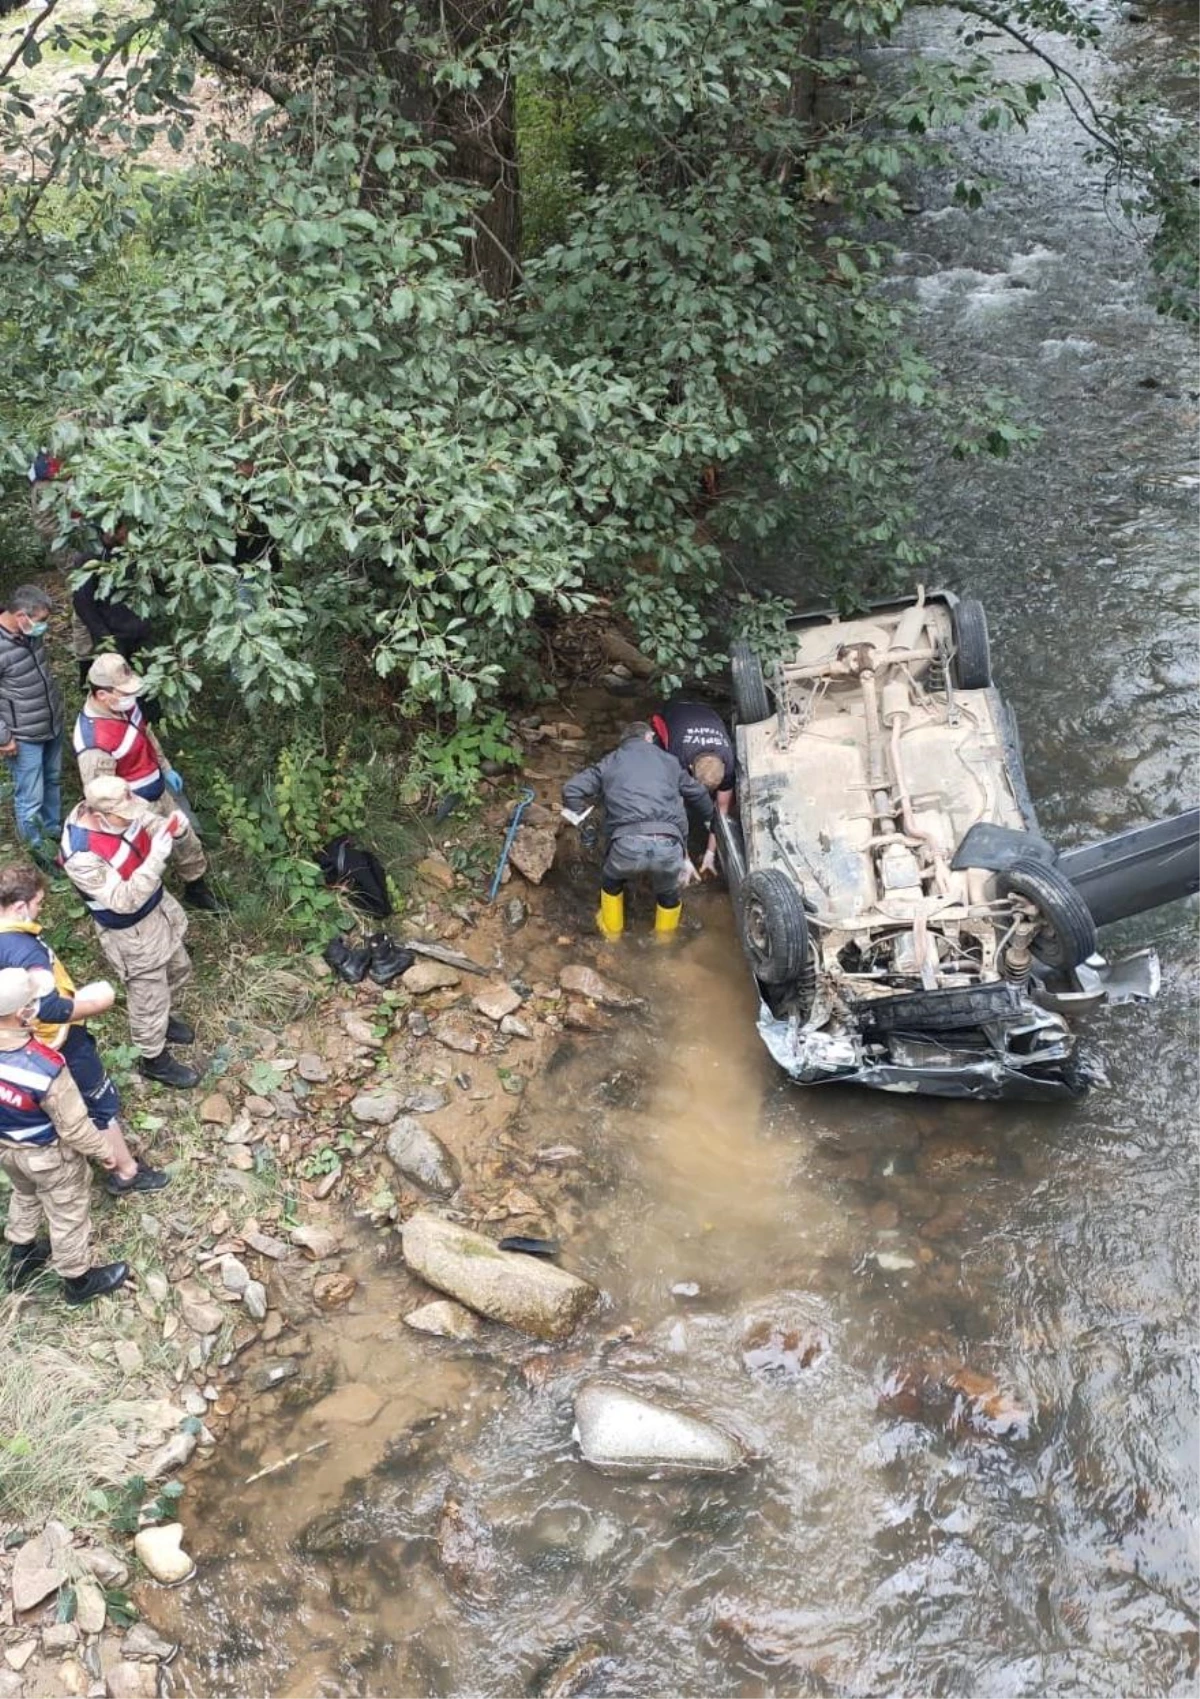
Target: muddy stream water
[{"x": 867, "y": 1550}]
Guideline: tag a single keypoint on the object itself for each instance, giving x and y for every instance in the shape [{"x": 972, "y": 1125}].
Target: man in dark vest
[
  {"x": 31, "y": 719},
  {"x": 698, "y": 738},
  {"x": 114, "y": 850},
  {"x": 45, "y": 1141},
  {"x": 646, "y": 794}
]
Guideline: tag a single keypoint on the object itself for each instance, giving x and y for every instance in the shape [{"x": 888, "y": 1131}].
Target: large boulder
[
  {"x": 523, "y": 1292},
  {"x": 623, "y": 1433},
  {"x": 422, "y": 1157}
]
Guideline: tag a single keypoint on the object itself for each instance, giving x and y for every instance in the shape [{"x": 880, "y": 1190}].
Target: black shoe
[
  {"x": 388, "y": 959},
  {"x": 349, "y": 963},
  {"x": 179, "y": 1032},
  {"x": 196, "y": 894},
  {"x": 82, "y": 1288},
  {"x": 25, "y": 1263},
  {"x": 145, "y": 1180},
  {"x": 167, "y": 1070}
]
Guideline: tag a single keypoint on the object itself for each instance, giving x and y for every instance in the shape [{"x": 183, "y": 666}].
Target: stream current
[{"x": 1053, "y": 1248}]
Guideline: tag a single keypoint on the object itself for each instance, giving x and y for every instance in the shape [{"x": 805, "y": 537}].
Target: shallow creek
[{"x": 1052, "y": 1248}]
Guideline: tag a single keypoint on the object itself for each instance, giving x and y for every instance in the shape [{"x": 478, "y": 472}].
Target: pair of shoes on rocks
[
  {"x": 197, "y": 894},
  {"x": 146, "y": 1179},
  {"x": 378, "y": 955}
]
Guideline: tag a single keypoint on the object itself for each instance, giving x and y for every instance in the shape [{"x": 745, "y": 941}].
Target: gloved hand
[
  {"x": 588, "y": 837},
  {"x": 174, "y": 780},
  {"x": 708, "y": 867},
  {"x": 689, "y": 876}
]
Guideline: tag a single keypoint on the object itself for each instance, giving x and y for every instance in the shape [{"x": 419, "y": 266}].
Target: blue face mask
[{"x": 37, "y": 628}]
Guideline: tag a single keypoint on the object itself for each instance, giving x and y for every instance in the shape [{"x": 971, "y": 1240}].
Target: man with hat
[
  {"x": 112, "y": 737},
  {"x": 45, "y": 1141},
  {"x": 114, "y": 849}
]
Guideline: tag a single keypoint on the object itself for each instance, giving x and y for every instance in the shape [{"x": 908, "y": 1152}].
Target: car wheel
[
  {"x": 1067, "y": 935},
  {"x": 774, "y": 928},
  {"x": 947, "y": 1010},
  {"x": 749, "y": 687},
  {"x": 972, "y": 651}
]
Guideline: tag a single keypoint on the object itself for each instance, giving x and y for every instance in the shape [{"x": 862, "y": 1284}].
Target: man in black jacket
[
  {"x": 31, "y": 720},
  {"x": 646, "y": 794}
]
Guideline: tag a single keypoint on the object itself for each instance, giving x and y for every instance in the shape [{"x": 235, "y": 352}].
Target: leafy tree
[{"x": 344, "y": 402}]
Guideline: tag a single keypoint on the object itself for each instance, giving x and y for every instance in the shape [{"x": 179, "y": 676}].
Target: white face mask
[{"x": 123, "y": 704}]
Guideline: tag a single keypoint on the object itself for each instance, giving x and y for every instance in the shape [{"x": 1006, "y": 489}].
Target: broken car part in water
[{"x": 908, "y": 926}]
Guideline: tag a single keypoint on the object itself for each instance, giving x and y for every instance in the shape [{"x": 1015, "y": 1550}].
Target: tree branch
[
  {"x": 1099, "y": 134},
  {"x": 29, "y": 36},
  {"x": 229, "y": 62}
]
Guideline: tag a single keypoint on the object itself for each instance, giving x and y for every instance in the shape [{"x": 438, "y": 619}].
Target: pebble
[
  {"x": 330, "y": 1290},
  {"x": 161, "y": 1551},
  {"x": 497, "y": 1002},
  {"x": 156, "y": 1285},
  {"x": 195, "y": 1403},
  {"x": 260, "y": 1107},
  {"x": 63, "y": 1636},
  {"x": 317, "y": 1241},
  {"x": 216, "y": 1110},
  {"x": 326, "y": 1184},
  {"x": 378, "y": 1107},
  {"x": 106, "y": 1566},
  {"x": 515, "y": 914},
  {"x": 584, "y": 1017},
  {"x": 40, "y": 1566},
  {"x": 532, "y": 852},
  {"x": 312, "y": 1067},
  {"x": 235, "y": 1276},
  {"x": 424, "y": 1100},
  {"x": 264, "y": 1376},
  {"x": 265, "y": 1244},
  {"x": 350, "y": 1406},
  {"x": 455, "y": 1034},
  {"x": 201, "y": 1317},
  {"x": 424, "y": 976},
  {"x": 175, "y": 1454},
  {"x": 360, "y": 1031},
  {"x": 240, "y": 1158},
  {"x": 586, "y": 982},
  {"x": 128, "y": 1354},
  {"x": 90, "y": 1608},
  {"x": 418, "y": 1023},
  {"x": 126, "y": 1680},
  {"x": 254, "y": 1298},
  {"x": 16, "y": 1657},
  {"x": 142, "y": 1642},
  {"x": 445, "y": 1318}
]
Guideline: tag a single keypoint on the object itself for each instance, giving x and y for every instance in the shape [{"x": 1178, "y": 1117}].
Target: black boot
[
  {"x": 25, "y": 1262},
  {"x": 196, "y": 894},
  {"x": 388, "y": 959},
  {"x": 167, "y": 1070},
  {"x": 146, "y": 1179},
  {"x": 349, "y": 963},
  {"x": 82, "y": 1288},
  {"x": 179, "y": 1032}
]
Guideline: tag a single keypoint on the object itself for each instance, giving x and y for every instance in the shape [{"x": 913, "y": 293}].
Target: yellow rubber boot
[
  {"x": 666, "y": 920},
  {"x": 611, "y": 918}
]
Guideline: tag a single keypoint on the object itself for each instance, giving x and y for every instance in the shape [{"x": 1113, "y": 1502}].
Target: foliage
[
  {"x": 282, "y": 819},
  {"x": 356, "y": 421},
  {"x": 439, "y": 767}
]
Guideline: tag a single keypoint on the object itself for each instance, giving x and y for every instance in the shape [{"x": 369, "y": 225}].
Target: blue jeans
[{"x": 37, "y": 789}]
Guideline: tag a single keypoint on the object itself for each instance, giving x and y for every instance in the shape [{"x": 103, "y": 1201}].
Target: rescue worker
[
  {"x": 63, "y": 1010},
  {"x": 111, "y": 736},
  {"x": 114, "y": 849},
  {"x": 45, "y": 1141},
  {"x": 698, "y": 738},
  {"x": 644, "y": 791},
  {"x": 31, "y": 719}
]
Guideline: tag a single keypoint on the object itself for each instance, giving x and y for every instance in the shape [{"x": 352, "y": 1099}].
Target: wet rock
[
  {"x": 797, "y": 1639},
  {"x": 686, "y": 1291},
  {"x": 40, "y": 1566},
  {"x": 129, "y": 1680},
  {"x": 330, "y": 1291},
  {"x": 622, "y": 1433},
  {"x": 951, "y": 1396},
  {"x": 426, "y": 976},
  {"x": 216, "y": 1110},
  {"x": 445, "y": 1318},
  {"x": 496, "y": 1002},
  {"x": 515, "y": 914},
  {"x": 893, "y": 1262},
  {"x": 573, "y": 1677},
  {"x": 511, "y": 1027},
  {"x": 585, "y": 1017},
  {"x": 523, "y": 1292},
  {"x": 379, "y": 1107},
  {"x": 586, "y": 982},
  {"x": 161, "y": 1552},
  {"x": 424, "y": 1100},
  {"x": 885, "y": 1214},
  {"x": 774, "y": 1350},
  {"x": 319, "y": 1242},
  {"x": 235, "y": 1276},
  {"x": 263, "y": 1376},
  {"x": 532, "y": 852},
  {"x": 170, "y": 1457},
  {"x": 351, "y": 1406},
  {"x": 456, "y": 1034},
  {"x": 422, "y": 1157},
  {"x": 312, "y": 1068},
  {"x": 465, "y": 1550},
  {"x": 142, "y": 1642},
  {"x": 254, "y": 1300}
]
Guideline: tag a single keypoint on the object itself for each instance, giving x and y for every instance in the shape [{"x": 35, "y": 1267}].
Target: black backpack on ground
[{"x": 359, "y": 872}]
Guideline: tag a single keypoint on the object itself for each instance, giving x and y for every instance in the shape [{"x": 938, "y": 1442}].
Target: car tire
[
  {"x": 948, "y": 1010},
  {"x": 1068, "y": 933},
  {"x": 972, "y": 650},
  {"x": 749, "y": 687},
  {"x": 774, "y": 928}
]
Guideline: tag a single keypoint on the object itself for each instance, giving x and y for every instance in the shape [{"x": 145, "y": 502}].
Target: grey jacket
[
  {"x": 643, "y": 790},
  {"x": 31, "y": 704}
]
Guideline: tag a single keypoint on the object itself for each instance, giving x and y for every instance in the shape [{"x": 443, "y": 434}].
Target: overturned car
[{"x": 907, "y": 924}]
